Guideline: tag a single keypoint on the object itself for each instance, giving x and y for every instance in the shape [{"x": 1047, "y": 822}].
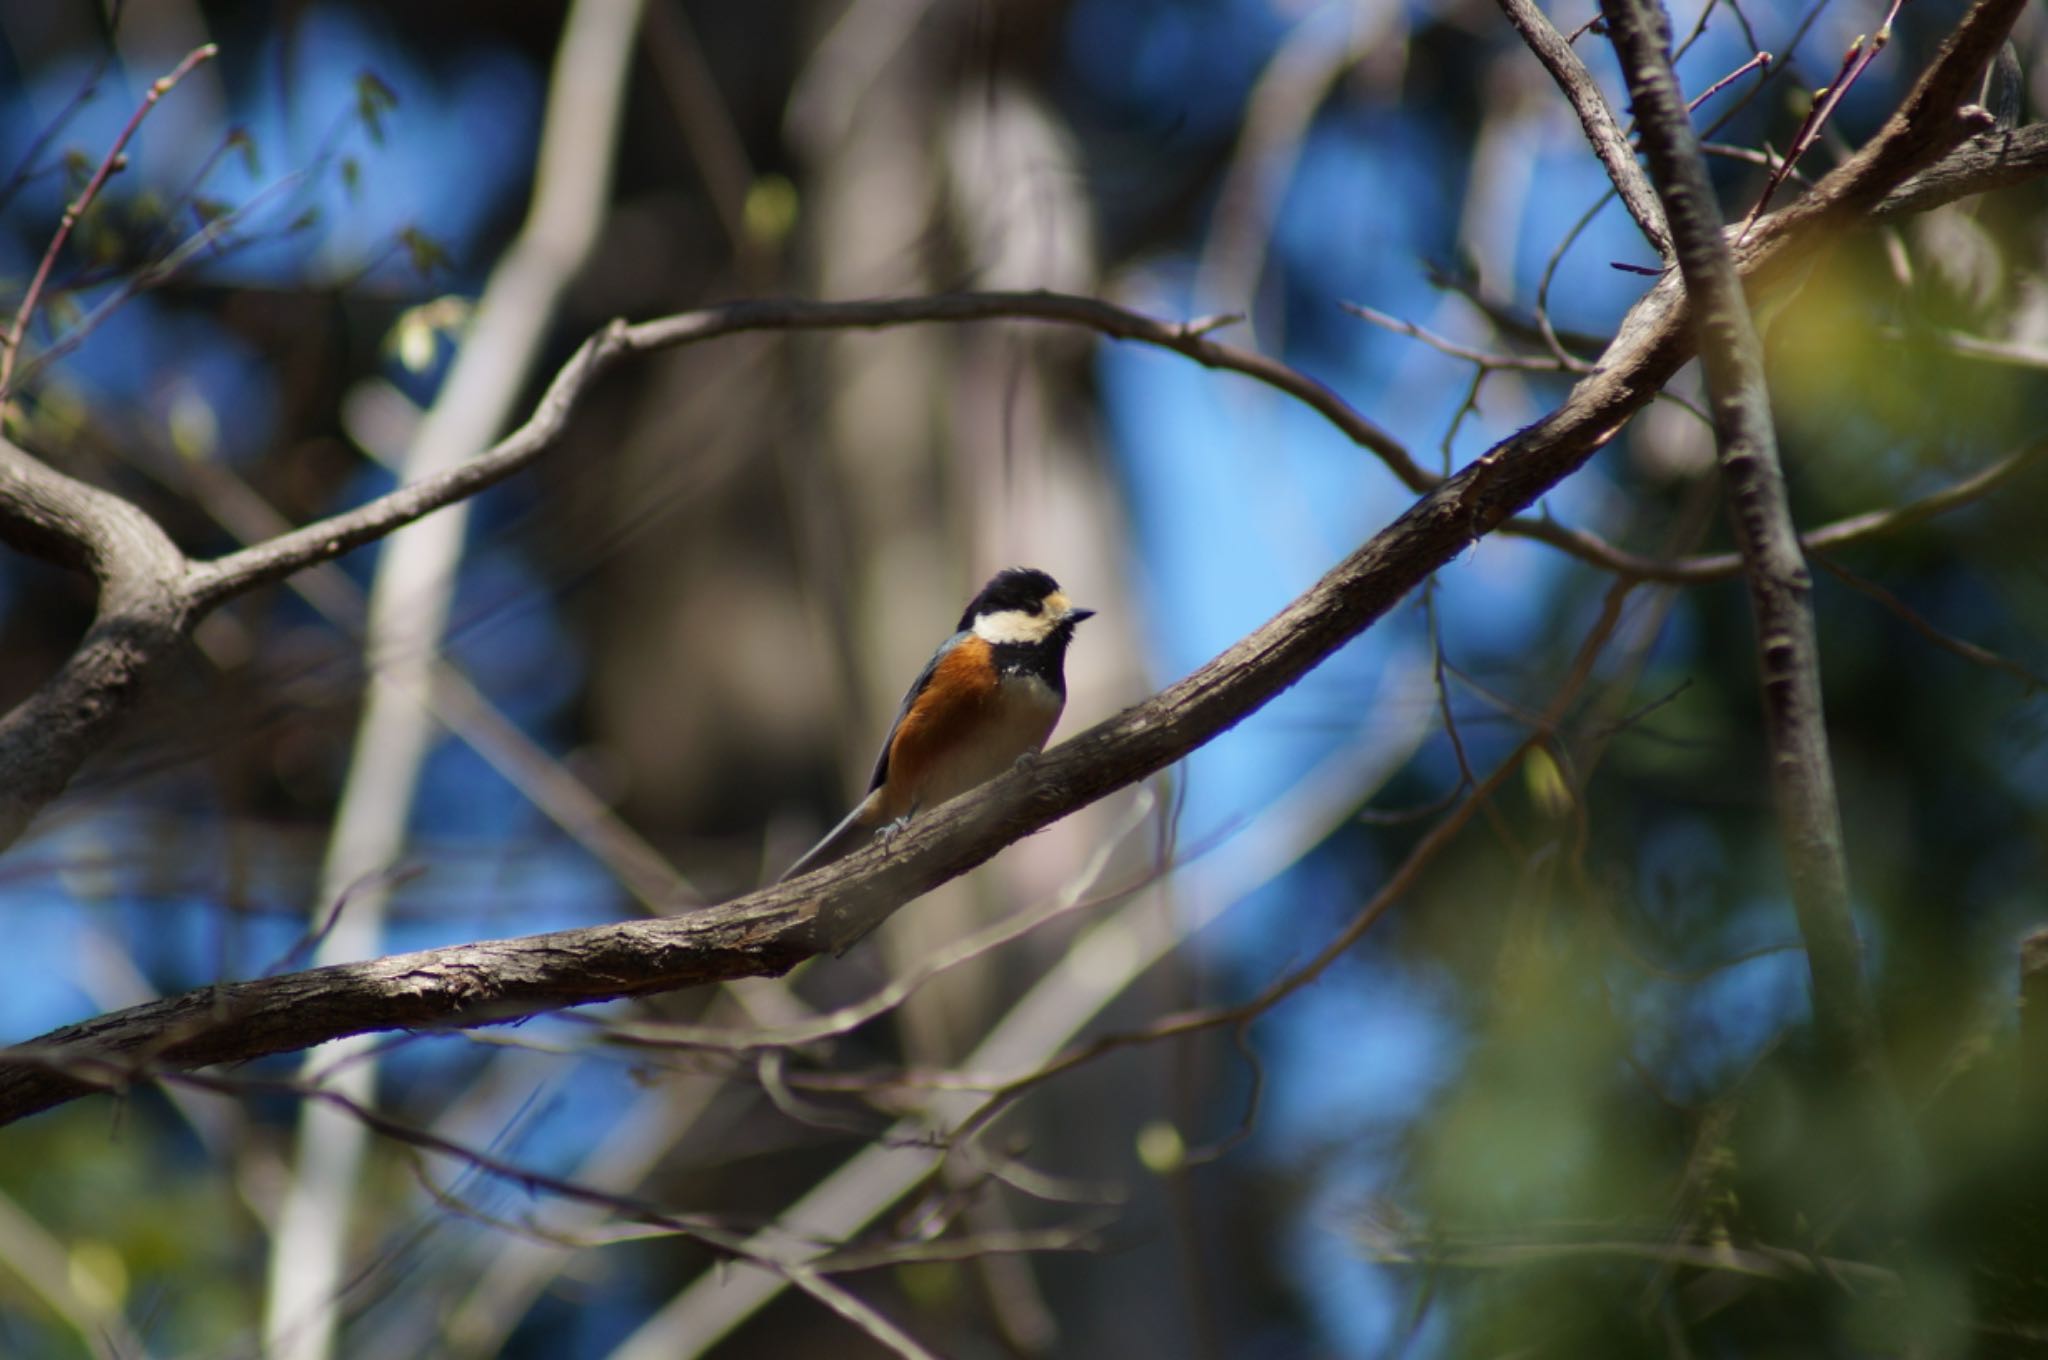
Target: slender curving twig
[
  {"x": 241, "y": 571},
  {"x": 1968, "y": 651},
  {"x": 17, "y": 333}
]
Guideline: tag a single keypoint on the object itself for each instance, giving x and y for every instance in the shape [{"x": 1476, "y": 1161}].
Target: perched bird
[{"x": 988, "y": 696}]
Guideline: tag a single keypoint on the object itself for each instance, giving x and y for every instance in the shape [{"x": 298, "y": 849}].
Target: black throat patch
[{"x": 1045, "y": 659}]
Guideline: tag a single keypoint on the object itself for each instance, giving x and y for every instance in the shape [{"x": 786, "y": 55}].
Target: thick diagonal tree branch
[{"x": 766, "y": 932}]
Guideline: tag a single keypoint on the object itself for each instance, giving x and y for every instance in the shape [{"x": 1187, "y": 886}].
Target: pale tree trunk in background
[
  {"x": 409, "y": 604},
  {"x": 863, "y": 116}
]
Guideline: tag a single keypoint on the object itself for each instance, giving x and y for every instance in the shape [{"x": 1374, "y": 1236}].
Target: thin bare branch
[
  {"x": 1780, "y": 587},
  {"x": 1602, "y": 131},
  {"x": 1968, "y": 651},
  {"x": 17, "y": 332},
  {"x": 331, "y": 537},
  {"x": 1761, "y": 61},
  {"x": 1700, "y": 570},
  {"x": 1385, "y": 1238},
  {"x": 1523, "y": 363},
  {"x": 1855, "y": 62}
]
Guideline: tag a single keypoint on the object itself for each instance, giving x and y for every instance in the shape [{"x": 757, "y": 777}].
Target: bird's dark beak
[{"x": 1076, "y": 615}]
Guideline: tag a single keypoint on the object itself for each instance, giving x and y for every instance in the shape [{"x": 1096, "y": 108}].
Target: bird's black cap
[{"x": 1019, "y": 588}]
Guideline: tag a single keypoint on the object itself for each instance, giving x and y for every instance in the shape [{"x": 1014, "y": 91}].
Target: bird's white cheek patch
[{"x": 1012, "y": 626}]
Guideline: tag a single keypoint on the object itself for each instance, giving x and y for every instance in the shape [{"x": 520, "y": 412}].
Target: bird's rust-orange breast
[{"x": 941, "y": 721}]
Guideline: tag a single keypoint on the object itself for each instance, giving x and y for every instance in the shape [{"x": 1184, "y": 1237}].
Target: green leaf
[
  {"x": 77, "y": 168},
  {"x": 147, "y": 209},
  {"x": 427, "y": 254},
  {"x": 101, "y": 239},
  {"x": 239, "y": 139},
  {"x": 416, "y": 341},
  {"x": 374, "y": 99},
  {"x": 770, "y": 211}
]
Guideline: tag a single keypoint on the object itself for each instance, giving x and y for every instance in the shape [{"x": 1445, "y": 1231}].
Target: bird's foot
[{"x": 891, "y": 830}]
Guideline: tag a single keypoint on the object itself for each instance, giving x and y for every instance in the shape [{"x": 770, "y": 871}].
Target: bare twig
[
  {"x": 1699, "y": 570},
  {"x": 1544, "y": 326},
  {"x": 1760, "y": 61},
  {"x": 1968, "y": 651},
  {"x": 1524, "y": 363},
  {"x": 1748, "y": 155},
  {"x": 25, "y": 168},
  {"x": 1384, "y": 1238},
  {"x": 17, "y": 333},
  {"x": 1855, "y": 62},
  {"x": 1511, "y": 323},
  {"x": 1602, "y": 132},
  {"x": 243, "y": 570}
]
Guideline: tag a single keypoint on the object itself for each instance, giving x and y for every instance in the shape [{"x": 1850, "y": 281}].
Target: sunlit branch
[
  {"x": 1595, "y": 119},
  {"x": 329, "y": 538}
]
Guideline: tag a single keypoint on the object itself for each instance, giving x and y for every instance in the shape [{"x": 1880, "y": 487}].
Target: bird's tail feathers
[{"x": 842, "y": 840}]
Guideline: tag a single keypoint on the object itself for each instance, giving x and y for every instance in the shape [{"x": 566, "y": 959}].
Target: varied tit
[{"x": 989, "y": 696}]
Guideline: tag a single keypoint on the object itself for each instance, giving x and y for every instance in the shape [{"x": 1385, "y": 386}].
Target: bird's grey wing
[
  {"x": 860, "y": 824},
  {"x": 917, "y": 686}
]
